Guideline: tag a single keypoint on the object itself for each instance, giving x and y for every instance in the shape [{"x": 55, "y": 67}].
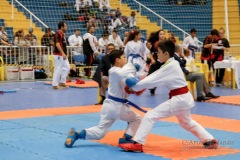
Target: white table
[{"x": 235, "y": 68}]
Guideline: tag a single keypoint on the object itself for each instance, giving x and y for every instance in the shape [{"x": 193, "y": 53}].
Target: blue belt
[
  {"x": 126, "y": 101},
  {"x": 135, "y": 56}
]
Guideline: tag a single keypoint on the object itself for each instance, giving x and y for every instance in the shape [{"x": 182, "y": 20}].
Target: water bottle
[{"x": 230, "y": 57}]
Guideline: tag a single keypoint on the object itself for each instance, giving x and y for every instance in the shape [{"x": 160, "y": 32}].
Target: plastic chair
[
  {"x": 1, "y": 69},
  {"x": 79, "y": 59}
]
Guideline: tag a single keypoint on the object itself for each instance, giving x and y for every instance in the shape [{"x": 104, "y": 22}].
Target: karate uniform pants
[
  {"x": 61, "y": 70},
  {"x": 110, "y": 112},
  {"x": 179, "y": 106}
]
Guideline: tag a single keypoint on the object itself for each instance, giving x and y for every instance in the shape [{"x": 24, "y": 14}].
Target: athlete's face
[
  {"x": 221, "y": 33},
  {"x": 163, "y": 57},
  {"x": 138, "y": 37},
  {"x": 122, "y": 61},
  {"x": 110, "y": 49}
]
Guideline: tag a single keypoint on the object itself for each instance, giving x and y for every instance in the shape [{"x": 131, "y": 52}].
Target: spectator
[
  {"x": 101, "y": 76},
  {"x": 104, "y": 4},
  {"x": 218, "y": 55},
  {"x": 4, "y": 35},
  {"x": 115, "y": 23},
  {"x": 115, "y": 39},
  {"x": 172, "y": 37},
  {"x": 132, "y": 20},
  {"x": 47, "y": 38},
  {"x": 19, "y": 40},
  {"x": 103, "y": 43},
  {"x": 31, "y": 38},
  {"x": 208, "y": 43},
  {"x": 80, "y": 6},
  {"x": 76, "y": 41},
  {"x": 203, "y": 89},
  {"x": 89, "y": 49},
  {"x": 191, "y": 42},
  {"x": 92, "y": 21},
  {"x": 125, "y": 37}
]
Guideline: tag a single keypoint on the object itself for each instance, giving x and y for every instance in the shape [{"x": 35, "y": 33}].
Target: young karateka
[
  {"x": 114, "y": 106},
  {"x": 136, "y": 51},
  {"x": 179, "y": 104}
]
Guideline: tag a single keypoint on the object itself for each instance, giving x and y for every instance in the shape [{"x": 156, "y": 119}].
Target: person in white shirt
[
  {"x": 115, "y": 39},
  {"x": 103, "y": 43},
  {"x": 191, "y": 42},
  {"x": 136, "y": 51},
  {"x": 132, "y": 20},
  {"x": 80, "y": 5},
  {"x": 89, "y": 49},
  {"x": 115, "y": 22},
  {"x": 104, "y": 4},
  {"x": 76, "y": 41}
]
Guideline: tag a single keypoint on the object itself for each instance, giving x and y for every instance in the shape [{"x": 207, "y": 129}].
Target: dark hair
[
  {"x": 110, "y": 44},
  {"x": 193, "y": 30},
  {"x": 167, "y": 46},
  {"x": 153, "y": 38},
  {"x": 48, "y": 30},
  {"x": 115, "y": 30},
  {"x": 114, "y": 55},
  {"x": 132, "y": 35},
  {"x": 77, "y": 30},
  {"x": 214, "y": 32},
  {"x": 89, "y": 28},
  {"x": 61, "y": 24}
]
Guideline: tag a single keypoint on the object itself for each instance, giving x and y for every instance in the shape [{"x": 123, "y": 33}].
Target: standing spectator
[
  {"x": 48, "y": 38},
  {"x": 218, "y": 55},
  {"x": 104, "y": 4},
  {"x": 132, "y": 20},
  {"x": 89, "y": 49},
  {"x": 101, "y": 76},
  {"x": 61, "y": 63},
  {"x": 191, "y": 42},
  {"x": 115, "y": 39},
  {"x": 154, "y": 39},
  {"x": 31, "y": 38},
  {"x": 22, "y": 43},
  {"x": 76, "y": 41},
  {"x": 208, "y": 43}
]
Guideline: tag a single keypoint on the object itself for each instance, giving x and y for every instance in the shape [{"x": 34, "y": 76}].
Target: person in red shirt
[{"x": 61, "y": 63}]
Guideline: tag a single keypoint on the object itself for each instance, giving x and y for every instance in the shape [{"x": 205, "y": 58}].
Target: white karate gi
[
  {"x": 117, "y": 41},
  {"x": 139, "y": 48},
  {"x": 171, "y": 76},
  {"x": 112, "y": 110},
  {"x": 190, "y": 41},
  {"x": 104, "y": 3},
  {"x": 74, "y": 41}
]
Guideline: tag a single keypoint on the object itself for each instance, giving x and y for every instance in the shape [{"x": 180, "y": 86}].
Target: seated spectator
[
  {"x": 115, "y": 23},
  {"x": 115, "y": 39},
  {"x": 47, "y": 39},
  {"x": 203, "y": 89},
  {"x": 132, "y": 20},
  {"x": 125, "y": 37},
  {"x": 31, "y": 38},
  {"x": 103, "y": 43},
  {"x": 104, "y": 4},
  {"x": 172, "y": 37},
  {"x": 76, "y": 41},
  {"x": 92, "y": 21},
  {"x": 80, "y": 6}
]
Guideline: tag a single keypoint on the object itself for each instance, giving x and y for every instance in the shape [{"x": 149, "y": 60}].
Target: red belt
[{"x": 178, "y": 91}]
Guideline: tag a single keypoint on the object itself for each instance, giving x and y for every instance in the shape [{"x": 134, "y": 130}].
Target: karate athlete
[
  {"x": 61, "y": 63},
  {"x": 191, "y": 42},
  {"x": 114, "y": 107},
  {"x": 136, "y": 51},
  {"x": 179, "y": 104}
]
